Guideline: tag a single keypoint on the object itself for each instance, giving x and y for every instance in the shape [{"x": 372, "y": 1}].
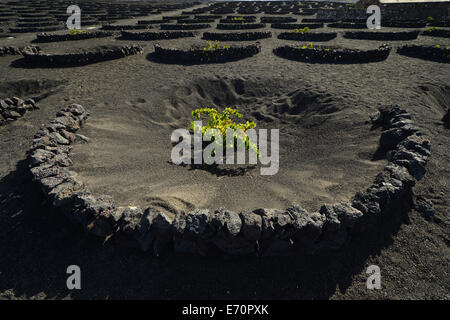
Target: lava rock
[
  {"x": 43, "y": 142},
  {"x": 69, "y": 123},
  {"x": 390, "y": 138},
  {"x": 59, "y": 138},
  {"x": 63, "y": 193},
  {"x": 367, "y": 203},
  {"x": 44, "y": 171},
  {"x": 100, "y": 227},
  {"x": 40, "y": 156},
  {"x": 161, "y": 228},
  {"x": 324, "y": 54},
  {"x": 396, "y": 172},
  {"x": 198, "y": 55},
  {"x": 31, "y": 102},
  {"x": 3, "y": 105},
  {"x": 275, "y": 224},
  {"x": 156, "y": 228},
  {"x": 308, "y": 225},
  {"x": 339, "y": 218},
  {"x": 81, "y": 139},
  {"x": 13, "y": 114},
  {"x": 446, "y": 119},
  {"x": 17, "y": 101},
  {"x": 51, "y": 182},
  {"x": 251, "y": 225},
  {"x": 126, "y": 35},
  {"x": 196, "y": 221},
  {"x": 425, "y": 207},
  {"x": 89, "y": 207},
  {"x": 227, "y": 221},
  {"x": 63, "y": 160},
  {"x": 227, "y": 226},
  {"x": 131, "y": 218},
  {"x": 188, "y": 229}
]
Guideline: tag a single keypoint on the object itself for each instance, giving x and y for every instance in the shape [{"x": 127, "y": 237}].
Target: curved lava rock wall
[
  {"x": 309, "y": 36},
  {"x": 323, "y": 54},
  {"x": 433, "y": 53},
  {"x": 185, "y": 26},
  {"x": 236, "y": 36},
  {"x": 48, "y": 37},
  {"x": 437, "y": 33},
  {"x": 206, "y": 56},
  {"x": 261, "y": 231},
  {"x": 126, "y": 35},
  {"x": 238, "y": 26},
  {"x": 296, "y": 25},
  {"x": 388, "y": 36},
  {"x": 81, "y": 58}
]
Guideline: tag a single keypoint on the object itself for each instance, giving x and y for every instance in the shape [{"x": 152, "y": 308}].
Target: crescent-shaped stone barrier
[
  {"x": 35, "y": 29},
  {"x": 403, "y": 24},
  {"x": 197, "y": 21},
  {"x": 381, "y": 36},
  {"x": 278, "y": 19},
  {"x": 16, "y": 50},
  {"x": 237, "y": 36},
  {"x": 308, "y": 36},
  {"x": 225, "y": 11},
  {"x": 210, "y": 16},
  {"x": 275, "y": 12},
  {"x": 54, "y": 37},
  {"x": 128, "y": 35},
  {"x": 45, "y": 22},
  {"x": 442, "y": 33},
  {"x": 324, "y": 54},
  {"x": 261, "y": 231},
  {"x": 316, "y": 20},
  {"x": 233, "y": 19},
  {"x": 14, "y": 108},
  {"x": 198, "y": 55},
  {"x": 347, "y": 25},
  {"x": 446, "y": 119},
  {"x": 193, "y": 26},
  {"x": 126, "y": 27},
  {"x": 41, "y": 59},
  {"x": 240, "y": 26},
  {"x": 434, "y": 53},
  {"x": 309, "y": 11},
  {"x": 291, "y": 26},
  {"x": 442, "y": 23},
  {"x": 164, "y": 20}
]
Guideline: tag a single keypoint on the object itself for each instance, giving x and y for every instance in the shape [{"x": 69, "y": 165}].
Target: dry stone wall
[{"x": 200, "y": 231}]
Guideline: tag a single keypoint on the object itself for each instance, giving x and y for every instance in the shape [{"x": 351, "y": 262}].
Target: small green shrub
[
  {"x": 308, "y": 46},
  {"x": 302, "y": 31},
  {"x": 77, "y": 31},
  {"x": 214, "y": 46},
  {"x": 222, "y": 121}
]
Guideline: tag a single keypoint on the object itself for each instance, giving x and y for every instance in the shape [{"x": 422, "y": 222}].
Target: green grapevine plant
[{"x": 221, "y": 121}]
